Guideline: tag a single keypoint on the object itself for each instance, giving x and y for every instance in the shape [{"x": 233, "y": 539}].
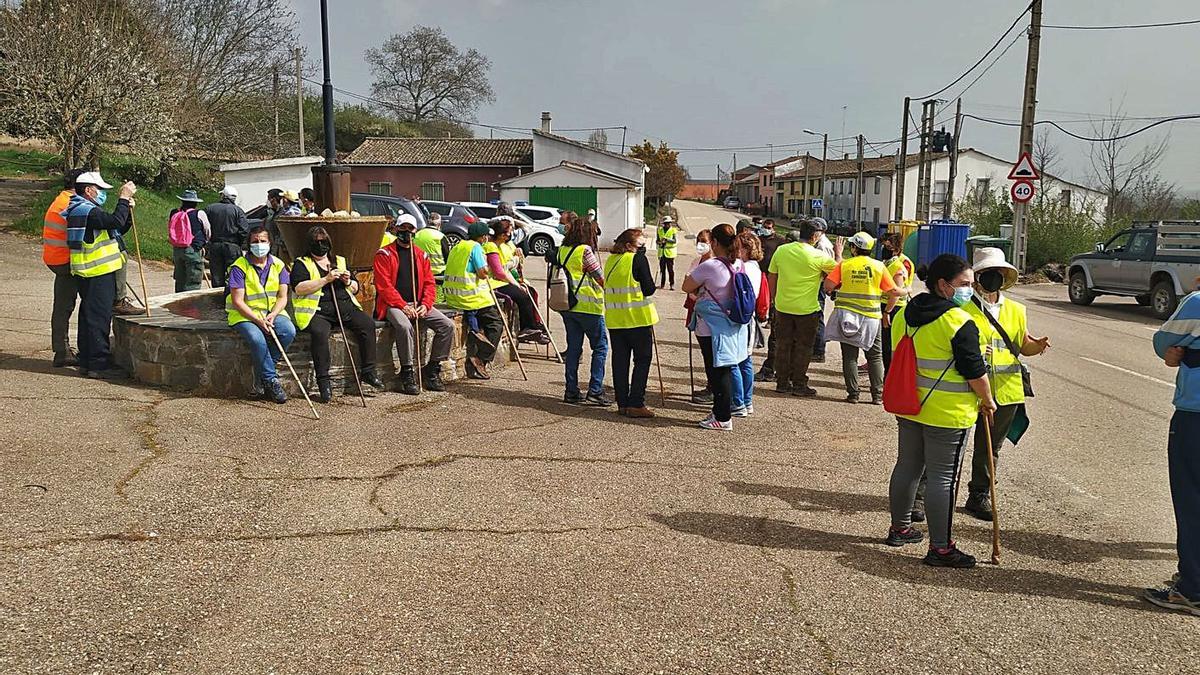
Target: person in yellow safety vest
[
  {"x": 668, "y": 248},
  {"x": 433, "y": 242},
  {"x": 93, "y": 239},
  {"x": 505, "y": 263},
  {"x": 993, "y": 274},
  {"x": 863, "y": 285},
  {"x": 903, "y": 270},
  {"x": 630, "y": 315},
  {"x": 952, "y": 384},
  {"x": 578, "y": 257},
  {"x": 467, "y": 290},
  {"x": 57, "y": 257},
  {"x": 318, "y": 277},
  {"x": 256, "y": 306}
]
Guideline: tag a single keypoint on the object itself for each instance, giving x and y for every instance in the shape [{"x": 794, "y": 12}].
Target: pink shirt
[{"x": 714, "y": 275}]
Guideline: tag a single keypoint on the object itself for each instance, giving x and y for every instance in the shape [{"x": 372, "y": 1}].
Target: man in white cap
[
  {"x": 591, "y": 218},
  {"x": 667, "y": 242},
  {"x": 863, "y": 286},
  {"x": 1004, "y": 337},
  {"x": 229, "y": 231},
  {"x": 93, "y": 238}
]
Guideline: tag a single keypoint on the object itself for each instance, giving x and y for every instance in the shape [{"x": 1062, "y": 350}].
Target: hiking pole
[
  {"x": 992, "y": 482},
  {"x": 416, "y": 322},
  {"x": 691, "y": 368},
  {"x": 662, "y": 389},
  {"x": 537, "y": 313},
  {"x": 508, "y": 333},
  {"x": 283, "y": 353},
  {"x": 135, "y": 295},
  {"x": 349, "y": 354},
  {"x": 137, "y": 249}
]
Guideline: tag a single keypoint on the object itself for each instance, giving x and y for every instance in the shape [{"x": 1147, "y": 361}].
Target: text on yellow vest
[{"x": 624, "y": 304}]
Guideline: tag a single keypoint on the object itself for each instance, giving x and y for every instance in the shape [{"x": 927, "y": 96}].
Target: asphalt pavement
[{"x": 495, "y": 529}]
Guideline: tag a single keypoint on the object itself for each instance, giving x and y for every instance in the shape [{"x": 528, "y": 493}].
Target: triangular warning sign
[{"x": 1023, "y": 169}]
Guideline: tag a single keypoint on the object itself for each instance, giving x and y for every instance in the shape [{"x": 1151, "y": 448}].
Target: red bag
[{"x": 900, "y": 385}]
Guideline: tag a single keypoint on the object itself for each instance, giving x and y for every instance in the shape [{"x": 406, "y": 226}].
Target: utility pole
[
  {"x": 299, "y": 99},
  {"x": 902, "y": 161},
  {"x": 275, "y": 101},
  {"x": 947, "y": 208},
  {"x": 1028, "y": 110},
  {"x": 805, "y": 210},
  {"x": 824, "y": 165},
  {"x": 922, "y": 206},
  {"x": 858, "y": 189}
]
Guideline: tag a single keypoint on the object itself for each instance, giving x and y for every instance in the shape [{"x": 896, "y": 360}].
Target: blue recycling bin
[{"x": 938, "y": 237}]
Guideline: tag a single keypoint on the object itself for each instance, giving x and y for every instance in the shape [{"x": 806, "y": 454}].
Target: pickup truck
[{"x": 1155, "y": 263}]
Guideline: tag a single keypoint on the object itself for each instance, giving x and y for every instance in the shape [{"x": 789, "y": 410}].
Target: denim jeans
[
  {"x": 743, "y": 384},
  {"x": 263, "y": 352},
  {"x": 590, "y": 325}
]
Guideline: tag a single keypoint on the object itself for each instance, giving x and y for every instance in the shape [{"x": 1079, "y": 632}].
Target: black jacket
[
  {"x": 228, "y": 222},
  {"x": 968, "y": 360},
  {"x": 642, "y": 274}
]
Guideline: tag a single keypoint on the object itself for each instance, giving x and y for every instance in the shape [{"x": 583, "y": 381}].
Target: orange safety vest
[{"x": 54, "y": 231}]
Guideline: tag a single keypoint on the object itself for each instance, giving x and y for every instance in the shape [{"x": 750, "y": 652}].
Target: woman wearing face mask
[
  {"x": 504, "y": 261},
  {"x": 903, "y": 271},
  {"x": 317, "y": 278},
  {"x": 953, "y": 387},
  {"x": 630, "y": 315},
  {"x": 256, "y": 304},
  {"x": 1006, "y": 329},
  {"x": 704, "y": 252}
]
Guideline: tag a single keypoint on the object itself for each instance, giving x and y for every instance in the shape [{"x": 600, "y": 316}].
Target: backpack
[
  {"x": 179, "y": 229},
  {"x": 559, "y": 293},
  {"x": 900, "y": 383},
  {"x": 741, "y": 310}
]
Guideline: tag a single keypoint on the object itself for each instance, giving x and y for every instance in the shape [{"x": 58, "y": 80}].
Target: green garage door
[{"x": 574, "y": 199}]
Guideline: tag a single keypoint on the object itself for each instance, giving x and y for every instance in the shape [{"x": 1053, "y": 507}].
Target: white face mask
[
  {"x": 702, "y": 248},
  {"x": 260, "y": 249}
]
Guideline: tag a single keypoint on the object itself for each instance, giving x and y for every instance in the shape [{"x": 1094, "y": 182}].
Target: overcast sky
[{"x": 707, "y": 74}]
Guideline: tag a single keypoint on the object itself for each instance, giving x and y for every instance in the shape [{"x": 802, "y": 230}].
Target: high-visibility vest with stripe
[
  {"x": 259, "y": 297},
  {"x": 624, "y": 304},
  {"x": 430, "y": 241},
  {"x": 897, "y": 264},
  {"x": 668, "y": 238},
  {"x": 388, "y": 238},
  {"x": 589, "y": 295},
  {"x": 951, "y": 404},
  {"x": 54, "y": 231},
  {"x": 505, "y": 251},
  {"x": 1005, "y": 369},
  {"x": 102, "y": 256},
  {"x": 860, "y": 291},
  {"x": 464, "y": 290},
  {"x": 305, "y": 306}
]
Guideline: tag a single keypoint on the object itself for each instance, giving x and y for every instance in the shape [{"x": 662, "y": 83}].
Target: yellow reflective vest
[
  {"x": 305, "y": 306},
  {"x": 860, "y": 290},
  {"x": 101, "y": 256},
  {"x": 902, "y": 263},
  {"x": 668, "y": 243},
  {"x": 624, "y": 304},
  {"x": 260, "y": 297},
  {"x": 950, "y": 403},
  {"x": 1003, "y": 366},
  {"x": 429, "y": 239},
  {"x": 506, "y": 251},
  {"x": 589, "y": 295},
  {"x": 464, "y": 290}
]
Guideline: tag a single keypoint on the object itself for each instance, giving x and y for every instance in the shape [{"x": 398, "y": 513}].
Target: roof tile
[{"x": 444, "y": 151}]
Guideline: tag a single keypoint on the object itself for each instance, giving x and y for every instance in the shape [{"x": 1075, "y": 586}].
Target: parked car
[
  {"x": 390, "y": 206},
  {"x": 455, "y": 219},
  {"x": 524, "y": 231},
  {"x": 732, "y": 202},
  {"x": 547, "y": 215},
  {"x": 1152, "y": 262}
]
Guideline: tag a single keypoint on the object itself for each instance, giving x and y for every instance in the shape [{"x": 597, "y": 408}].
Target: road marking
[{"x": 1129, "y": 372}]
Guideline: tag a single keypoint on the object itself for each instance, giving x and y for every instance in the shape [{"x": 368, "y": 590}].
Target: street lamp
[{"x": 824, "y": 161}]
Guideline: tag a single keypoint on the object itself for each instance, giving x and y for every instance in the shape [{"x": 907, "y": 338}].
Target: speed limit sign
[{"x": 1022, "y": 191}]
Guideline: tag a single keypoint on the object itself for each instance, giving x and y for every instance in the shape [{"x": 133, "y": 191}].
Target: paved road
[
  {"x": 696, "y": 216},
  {"x": 495, "y": 529}
]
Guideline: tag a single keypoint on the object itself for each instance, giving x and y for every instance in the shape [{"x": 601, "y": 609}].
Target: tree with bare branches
[
  {"x": 598, "y": 139},
  {"x": 422, "y": 76},
  {"x": 1117, "y": 164},
  {"x": 1045, "y": 159}
]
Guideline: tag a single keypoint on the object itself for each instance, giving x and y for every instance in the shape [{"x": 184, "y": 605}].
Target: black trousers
[
  {"x": 666, "y": 266},
  {"x": 887, "y": 338},
  {"x": 524, "y": 305},
  {"x": 769, "y": 362},
  {"x": 358, "y": 324},
  {"x": 95, "y": 320},
  {"x": 720, "y": 381},
  {"x": 636, "y": 344},
  {"x": 221, "y": 255},
  {"x": 66, "y": 290},
  {"x": 492, "y": 326}
]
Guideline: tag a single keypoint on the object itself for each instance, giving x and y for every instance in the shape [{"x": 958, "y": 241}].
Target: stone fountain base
[{"x": 186, "y": 344}]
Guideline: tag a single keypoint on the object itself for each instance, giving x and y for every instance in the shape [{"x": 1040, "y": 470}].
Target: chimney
[{"x": 546, "y": 122}]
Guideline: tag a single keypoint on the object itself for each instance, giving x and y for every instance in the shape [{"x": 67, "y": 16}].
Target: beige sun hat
[{"x": 991, "y": 258}]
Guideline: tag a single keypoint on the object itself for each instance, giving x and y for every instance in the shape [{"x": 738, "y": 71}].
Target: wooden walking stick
[
  {"x": 691, "y": 368},
  {"x": 662, "y": 389},
  {"x": 349, "y": 352},
  {"x": 508, "y": 333},
  {"x": 137, "y": 249},
  {"x": 992, "y": 485},
  {"x": 412, "y": 254},
  {"x": 283, "y": 353}
]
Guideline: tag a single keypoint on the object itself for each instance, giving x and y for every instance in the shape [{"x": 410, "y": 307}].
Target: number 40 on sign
[{"x": 1022, "y": 191}]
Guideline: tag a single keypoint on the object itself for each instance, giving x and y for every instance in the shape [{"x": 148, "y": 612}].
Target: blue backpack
[{"x": 741, "y": 309}]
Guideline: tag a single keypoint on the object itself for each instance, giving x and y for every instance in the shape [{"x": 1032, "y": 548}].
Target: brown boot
[
  {"x": 639, "y": 413},
  {"x": 126, "y": 308}
]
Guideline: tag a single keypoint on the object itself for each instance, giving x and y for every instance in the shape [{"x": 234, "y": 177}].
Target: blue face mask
[
  {"x": 101, "y": 197},
  {"x": 260, "y": 249},
  {"x": 562, "y": 229},
  {"x": 962, "y": 295}
]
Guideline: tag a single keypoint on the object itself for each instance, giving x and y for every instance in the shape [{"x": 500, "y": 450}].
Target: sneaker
[
  {"x": 702, "y": 398},
  {"x": 817, "y": 358},
  {"x": 739, "y": 412},
  {"x": 66, "y": 359},
  {"x": 876, "y": 400},
  {"x": 407, "y": 382},
  {"x": 949, "y": 557},
  {"x": 599, "y": 400},
  {"x": 274, "y": 391},
  {"x": 1170, "y": 598},
  {"x": 901, "y": 537},
  {"x": 371, "y": 383},
  {"x": 324, "y": 391},
  {"x": 804, "y": 392},
  {"x": 431, "y": 377},
  {"x": 750, "y": 409},
  {"x": 765, "y": 374},
  {"x": 477, "y": 369},
  {"x": 713, "y": 425},
  {"x": 529, "y": 335},
  {"x": 980, "y": 506},
  {"x": 852, "y": 399},
  {"x": 110, "y": 373},
  {"x": 573, "y": 398},
  {"x": 639, "y": 413},
  {"x": 478, "y": 335},
  {"x": 126, "y": 308},
  {"x": 783, "y": 388}
]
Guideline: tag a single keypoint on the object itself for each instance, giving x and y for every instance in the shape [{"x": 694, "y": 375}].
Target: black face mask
[
  {"x": 642, "y": 248},
  {"x": 319, "y": 247},
  {"x": 991, "y": 281},
  {"x": 404, "y": 236}
]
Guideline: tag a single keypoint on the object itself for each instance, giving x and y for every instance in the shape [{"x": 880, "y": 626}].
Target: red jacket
[{"x": 386, "y": 264}]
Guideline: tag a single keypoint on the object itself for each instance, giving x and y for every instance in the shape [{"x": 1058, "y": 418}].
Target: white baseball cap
[
  {"x": 406, "y": 219},
  {"x": 92, "y": 178},
  {"x": 667, "y": 219},
  {"x": 230, "y": 192}
]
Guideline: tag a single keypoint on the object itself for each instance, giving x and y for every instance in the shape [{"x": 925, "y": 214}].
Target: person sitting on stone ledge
[
  {"x": 317, "y": 311},
  {"x": 504, "y": 262},
  {"x": 467, "y": 290},
  {"x": 404, "y": 295},
  {"x": 256, "y": 304}
]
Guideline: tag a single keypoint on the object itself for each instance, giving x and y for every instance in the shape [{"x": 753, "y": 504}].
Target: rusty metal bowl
[{"x": 357, "y": 239}]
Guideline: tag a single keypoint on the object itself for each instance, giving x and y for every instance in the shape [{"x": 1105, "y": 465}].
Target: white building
[{"x": 253, "y": 179}]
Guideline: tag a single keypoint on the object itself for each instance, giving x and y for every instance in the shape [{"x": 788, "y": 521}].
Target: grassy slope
[{"x": 24, "y": 163}]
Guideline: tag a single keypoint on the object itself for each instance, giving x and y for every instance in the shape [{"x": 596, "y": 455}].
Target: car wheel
[
  {"x": 452, "y": 239},
  {"x": 1143, "y": 300},
  {"x": 1163, "y": 299},
  {"x": 1078, "y": 290},
  {"x": 540, "y": 245}
]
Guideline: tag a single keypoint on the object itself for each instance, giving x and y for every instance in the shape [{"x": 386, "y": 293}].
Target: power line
[
  {"x": 1090, "y": 139},
  {"x": 981, "y": 59},
  {"x": 989, "y": 67},
  {"x": 1187, "y": 22}
]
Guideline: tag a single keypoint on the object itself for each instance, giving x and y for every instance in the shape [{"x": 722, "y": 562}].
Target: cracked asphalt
[{"x": 494, "y": 529}]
